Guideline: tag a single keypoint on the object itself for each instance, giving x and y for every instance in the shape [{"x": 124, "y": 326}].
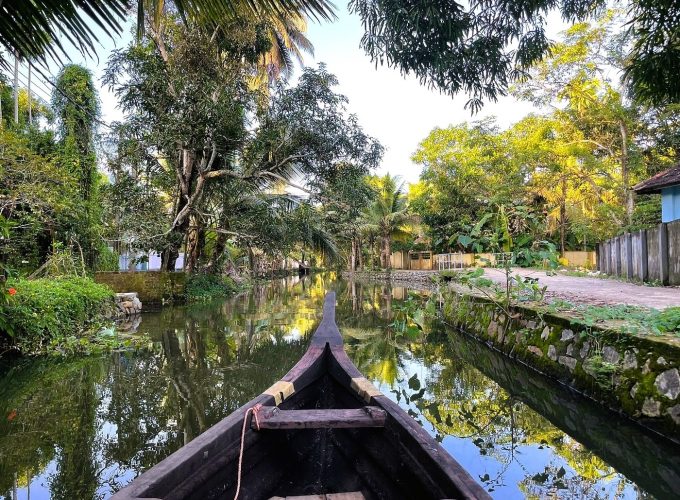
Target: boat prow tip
[{"x": 327, "y": 331}]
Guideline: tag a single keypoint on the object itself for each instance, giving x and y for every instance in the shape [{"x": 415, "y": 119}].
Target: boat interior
[
  {"x": 366, "y": 462},
  {"x": 323, "y": 431}
]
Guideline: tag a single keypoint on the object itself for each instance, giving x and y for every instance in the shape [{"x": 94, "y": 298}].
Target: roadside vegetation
[
  {"x": 520, "y": 292},
  {"x": 58, "y": 315}
]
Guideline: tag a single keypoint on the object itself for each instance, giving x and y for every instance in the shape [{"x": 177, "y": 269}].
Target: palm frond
[{"x": 33, "y": 29}]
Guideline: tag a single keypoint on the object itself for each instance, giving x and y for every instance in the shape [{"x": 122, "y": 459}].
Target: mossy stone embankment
[
  {"x": 418, "y": 280},
  {"x": 152, "y": 287},
  {"x": 635, "y": 374}
]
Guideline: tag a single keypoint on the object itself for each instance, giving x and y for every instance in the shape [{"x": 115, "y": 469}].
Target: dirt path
[{"x": 596, "y": 291}]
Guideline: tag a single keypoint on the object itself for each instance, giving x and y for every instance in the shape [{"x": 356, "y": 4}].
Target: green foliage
[
  {"x": 45, "y": 313},
  {"x": 36, "y": 197},
  {"x": 227, "y": 153},
  {"x": 631, "y": 319},
  {"x": 481, "y": 48},
  {"x": 37, "y": 31},
  {"x": 62, "y": 262},
  {"x": 647, "y": 213},
  {"x": 538, "y": 254},
  {"x": 107, "y": 259},
  {"x": 637, "y": 319},
  {"x": 202, "y": 287},
  {"x": 76, "y": 105},
  {"x": 409, "y": 315},
  {"x": 601, "y": 370}
]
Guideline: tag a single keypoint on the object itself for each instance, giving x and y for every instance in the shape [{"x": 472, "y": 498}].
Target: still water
[{"x": 82, "y": 428}]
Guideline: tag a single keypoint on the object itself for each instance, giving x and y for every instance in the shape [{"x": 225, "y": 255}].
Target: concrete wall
[
  {"x": 581, "y": 259},
  {"x": 152, "y": 287},
  {"x": 653, "y": 255}
]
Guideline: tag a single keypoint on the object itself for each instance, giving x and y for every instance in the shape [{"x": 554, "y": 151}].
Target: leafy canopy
[{"x": 481, "y": 47}]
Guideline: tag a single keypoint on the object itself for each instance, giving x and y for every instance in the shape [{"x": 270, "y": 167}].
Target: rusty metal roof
[{"x": 656, "y": 183}]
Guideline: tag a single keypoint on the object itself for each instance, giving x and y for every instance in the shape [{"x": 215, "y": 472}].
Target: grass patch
[
  {"x": 629, "y": 319},
  {"x": 202, "y": 287}
]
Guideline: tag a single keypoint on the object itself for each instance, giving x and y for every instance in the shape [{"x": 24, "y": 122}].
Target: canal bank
[
  {"x": 618, "y": 440},
  {"x": 635, "y": 374}
]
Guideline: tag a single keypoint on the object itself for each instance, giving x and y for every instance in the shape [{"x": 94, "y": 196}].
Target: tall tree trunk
[
  {"x": 563, "y": 216},
  {"x": 628, "y": 194},
  {"x": 170, "y": 255},
  {"x": 218, "y": 250},
  {"x": 169, "y": 258},
  {"x": 355, "y": 298},
  {"x": 251, "y": 261},
  {"x": 360, "y": 254},
  {"x": 386, "y": 252},
  {"x": 185, "y": 176},
  {"x": 193, "y": 245},
  {"x": 353, "y": 256}
]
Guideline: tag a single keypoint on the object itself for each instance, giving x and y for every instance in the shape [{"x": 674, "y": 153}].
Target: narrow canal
[{"x": 82, "y": 428}]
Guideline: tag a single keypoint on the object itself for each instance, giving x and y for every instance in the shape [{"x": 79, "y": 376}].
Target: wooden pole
[
  {"x": 16, "y": 88},
  {"x": 30, "y": 104},
  {"x": 617, "y": 246}
]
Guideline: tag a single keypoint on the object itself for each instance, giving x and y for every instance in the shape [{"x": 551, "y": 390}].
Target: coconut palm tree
[
  {"x": 286, "y": 34},
  {"x": 387, "y": 217},
  {"x": 288, "y": 42},
  {"x": 34, "y": 30}
]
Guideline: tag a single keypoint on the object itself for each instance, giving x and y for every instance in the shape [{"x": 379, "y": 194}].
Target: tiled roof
[{"x": 655, "y": 184}]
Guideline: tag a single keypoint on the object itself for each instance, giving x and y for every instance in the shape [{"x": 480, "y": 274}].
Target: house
[{"x": 668, "y": 184}]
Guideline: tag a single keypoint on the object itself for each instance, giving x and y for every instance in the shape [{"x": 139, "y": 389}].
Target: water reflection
[{"x": 83, "y": 428}]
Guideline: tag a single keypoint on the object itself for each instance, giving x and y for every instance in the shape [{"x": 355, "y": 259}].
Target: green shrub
[
  {"x": 107, "y": 259},
  {"x": 46, "y": 312},
  {"x": 203, "y": 286}
]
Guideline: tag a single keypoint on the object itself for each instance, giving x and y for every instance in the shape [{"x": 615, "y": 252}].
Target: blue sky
[{"x": 398, "y": 111}]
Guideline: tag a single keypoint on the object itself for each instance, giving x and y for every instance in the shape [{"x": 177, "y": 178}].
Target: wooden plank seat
[
  {"x": 271, "y": 417},
  {"x": 353, "y": 495}
]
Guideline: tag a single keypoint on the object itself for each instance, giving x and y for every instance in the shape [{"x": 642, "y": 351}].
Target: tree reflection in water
[
  {"x": 447, "y": 382},
  {"x": 82, "y": 428}
]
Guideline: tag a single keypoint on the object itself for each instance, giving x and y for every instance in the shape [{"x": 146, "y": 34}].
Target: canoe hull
[{"x": 396, "y": 459}]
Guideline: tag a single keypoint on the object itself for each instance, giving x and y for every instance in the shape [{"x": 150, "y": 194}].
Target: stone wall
[
  {"x": 628, "y": 450},
  {"x": 635, "y": 375},
  {"x": 418, "y": 280},
  {"x": 152, "y": 287},
  {"x": 128, "y": 303}
]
